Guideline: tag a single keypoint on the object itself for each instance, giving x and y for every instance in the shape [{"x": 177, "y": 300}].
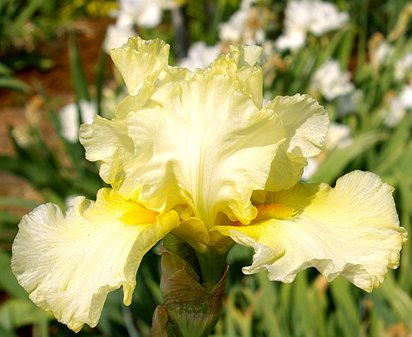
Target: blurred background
[{"x": 354, "y": 56}]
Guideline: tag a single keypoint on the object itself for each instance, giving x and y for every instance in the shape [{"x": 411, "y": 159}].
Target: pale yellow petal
[
  {"x": 350, "y": 230},
  {"x": 246, "y": 55},
  {"x": 193, "y": 232},
  {"x": 139, "y": 61},
  {"x": 241, "y": 65},
  {"x": 305, "y": 125},
  {"x": 69, "y": 263},
  {"x": 108, "y": 141},
  {"x": 167, "y": 76},
  {"x": 202, "y": 142}
]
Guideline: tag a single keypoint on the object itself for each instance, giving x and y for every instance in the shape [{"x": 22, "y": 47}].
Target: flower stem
[
  {"x": 192, "y": 286},
  {"x": 212, "y": 266}
]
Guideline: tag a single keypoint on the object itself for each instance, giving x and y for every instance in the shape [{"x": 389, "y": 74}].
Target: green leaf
[
  {"x": 394, "y": 147},
  {"x": 399, "y": 300},
  {"x": 6, "y": 217},
  {"x": 404, "y": 164},
  {"x": 27, "y": 11},
  {"x": 8, "y": 163},
  {"x": 5, "y": 70},
  {"x": 77, "y": 71},
  {"x": 346, "y": 47},
  {"x": 14, "y": 84},
  {"x": 267, "y": 302},
  {"x": 15, "y": 313},
  {"x": 6, "y": 333},
  {"x": 347, "y": 311},
  {"x": 19, "y": 202},
  {"x": 7, "y": 280},
  {"x": 100, "y": 77},
  {"x": 335, "y": 163}
]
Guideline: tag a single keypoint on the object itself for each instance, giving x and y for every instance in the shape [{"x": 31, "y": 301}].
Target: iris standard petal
[
  {"x": 350, "y": 230},
  {"x": 108, "y": 141},
  {"x": 201, "y": 142},
  {"x": 305, "y": 125},
  {"x": 241, "y": 65},
  {"x": 69, "y": 263},
  {"x": 139, "y": 61}
]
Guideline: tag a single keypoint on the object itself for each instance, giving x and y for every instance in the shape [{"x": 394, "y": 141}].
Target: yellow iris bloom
[{"x": 201, "y": 155}]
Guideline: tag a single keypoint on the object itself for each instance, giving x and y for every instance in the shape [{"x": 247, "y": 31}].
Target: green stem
[
  {"x": 212, "y": 266},
  {"x": 192, "y": 287}
]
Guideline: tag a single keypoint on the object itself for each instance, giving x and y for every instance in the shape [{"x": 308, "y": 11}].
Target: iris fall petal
[
  {"x": 69, "y": 263},
  {"x": 350, "y": 230}
]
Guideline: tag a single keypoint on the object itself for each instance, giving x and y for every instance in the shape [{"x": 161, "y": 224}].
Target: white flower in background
[
  {"x": 291, "y": 40},
  {"x": 338, "y": 137},
  {"x": 403, "y": 66},
  {"x": 314, "y": 16},
  {"x": 349, "y": 102},
  {"x": 200, "y": 56},
  {"x": 69, "y": 119},
  {"x": 310, "y": 169},
  {"x": 145, "y": 13},
  {"x": 331, "y": 81},
  {"x": 111, "y": 99},
  {"x": 232, "y": 30},
  {"x": 379, "y": 51},
  {"x": 383, "y": 51},
  {"x": 237, "y": 29},
  {"x": 399, "y": 106},
  {"x": 117, "y": 35}
]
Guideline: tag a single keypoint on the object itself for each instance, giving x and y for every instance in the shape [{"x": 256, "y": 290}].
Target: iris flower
[{"x": 199, "y": 154}]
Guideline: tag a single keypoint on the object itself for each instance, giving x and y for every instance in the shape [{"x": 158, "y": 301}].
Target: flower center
[
  {"x": 274, "y": 211},
  {"x": 137, "y": 215},
  {"x": 271, "y": 211}
]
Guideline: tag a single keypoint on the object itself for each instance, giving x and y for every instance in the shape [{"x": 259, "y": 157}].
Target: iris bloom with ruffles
[{"x": 201, "y": 155}]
